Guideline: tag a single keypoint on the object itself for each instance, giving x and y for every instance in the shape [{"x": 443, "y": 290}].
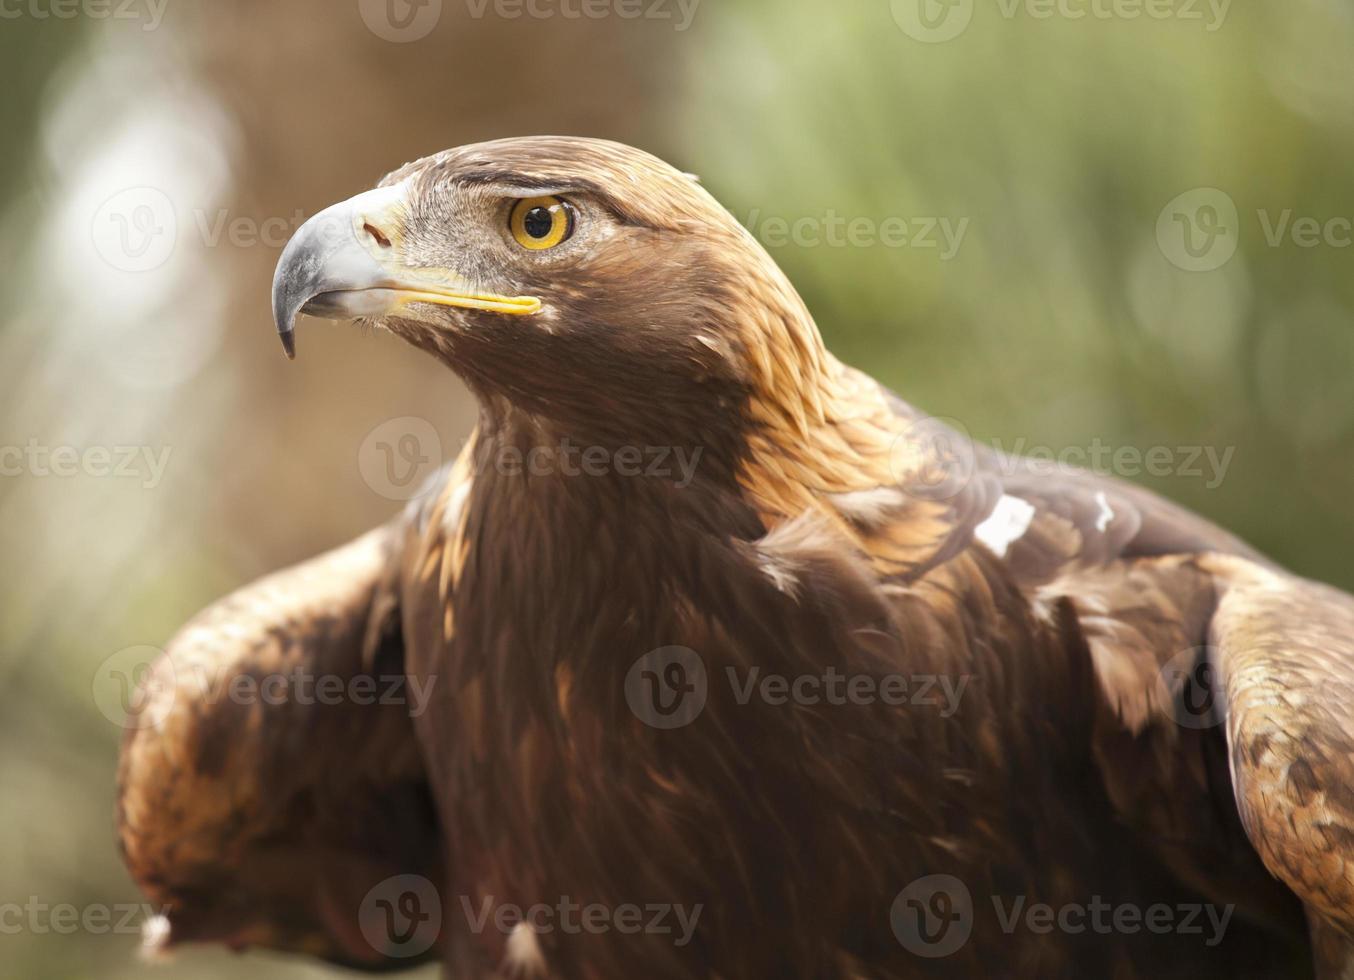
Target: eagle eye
[{"x": 541, "y": 222}]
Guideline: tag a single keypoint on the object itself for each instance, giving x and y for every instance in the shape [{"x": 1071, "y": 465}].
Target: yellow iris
[{"x": 541, "y": 222}]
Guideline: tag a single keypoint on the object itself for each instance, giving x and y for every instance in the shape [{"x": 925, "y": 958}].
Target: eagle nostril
[{"x": 376, "y": 234}]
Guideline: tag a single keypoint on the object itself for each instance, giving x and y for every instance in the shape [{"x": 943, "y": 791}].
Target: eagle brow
[{"x": 512, "y": 184}]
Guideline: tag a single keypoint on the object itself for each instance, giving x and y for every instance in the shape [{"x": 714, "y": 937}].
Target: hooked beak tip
[{"x": 288, "y": 338}]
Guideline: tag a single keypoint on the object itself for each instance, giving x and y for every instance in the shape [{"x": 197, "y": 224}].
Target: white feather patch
[
  {"x": 1008, "y": 521},
  {"x": 780, "y": 573},
  {"x": 1102, "y": 519},
  {"x": 868, "y": 506},
  {"x": 155, "y": 933},
  {"x": 451, "y": 517},
  {"x": 524, "y": 957}
]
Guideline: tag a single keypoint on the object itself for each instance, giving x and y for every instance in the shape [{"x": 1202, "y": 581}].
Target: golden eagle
[{"x": 845, "y": 694}]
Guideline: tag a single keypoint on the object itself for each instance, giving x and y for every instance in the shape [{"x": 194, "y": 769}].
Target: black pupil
[{"x": 538, "y": 222}]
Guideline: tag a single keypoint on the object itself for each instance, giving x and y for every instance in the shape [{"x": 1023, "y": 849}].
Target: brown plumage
[{"x": 826, "y": 524}]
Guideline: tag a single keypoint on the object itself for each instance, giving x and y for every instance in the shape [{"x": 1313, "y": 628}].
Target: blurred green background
[{"x": 1065, "y": 315}]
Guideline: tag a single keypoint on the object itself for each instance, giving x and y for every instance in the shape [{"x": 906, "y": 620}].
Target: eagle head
[{"x": 577, "y": 280}]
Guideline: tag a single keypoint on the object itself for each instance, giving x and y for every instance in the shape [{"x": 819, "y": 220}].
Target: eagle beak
[{"x": 348, "y": 261}]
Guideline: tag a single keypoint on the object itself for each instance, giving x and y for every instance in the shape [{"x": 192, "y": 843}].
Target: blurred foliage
[
  {"x": 31, "y": 51},
  {"x": 1059, "y": 319}
]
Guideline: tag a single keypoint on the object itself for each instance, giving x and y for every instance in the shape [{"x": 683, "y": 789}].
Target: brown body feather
[{"x": 824, "y": 527}]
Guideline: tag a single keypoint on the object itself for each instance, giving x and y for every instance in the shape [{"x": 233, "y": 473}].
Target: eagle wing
[
  {"x": 269, "y": 777},
  {"x": 1191, "y": 629},
  {"x": 1282, "y": 652},
  {"x": 1220, "y": 677}
]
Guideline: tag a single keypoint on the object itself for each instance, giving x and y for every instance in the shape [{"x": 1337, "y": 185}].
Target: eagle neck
[{"x": 591, "y": 538}]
